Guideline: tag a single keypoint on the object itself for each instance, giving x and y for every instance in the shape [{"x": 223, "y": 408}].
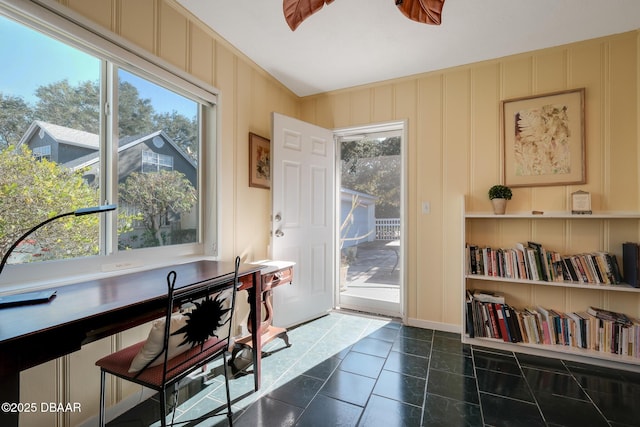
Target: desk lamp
[{"x": 79, "y": 212}]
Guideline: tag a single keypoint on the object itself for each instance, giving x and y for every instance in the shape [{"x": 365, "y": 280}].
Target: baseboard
[{"x": 438, "y": 326}]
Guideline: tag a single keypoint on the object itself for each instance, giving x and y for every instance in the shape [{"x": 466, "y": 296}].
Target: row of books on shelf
[
  {"x": 533, "y": 262},
  {"x": 488, "y": 316}
]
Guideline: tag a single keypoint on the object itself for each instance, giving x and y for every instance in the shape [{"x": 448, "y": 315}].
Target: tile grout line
[
  {"x": 426, "y": 380},
  {"x": 475, "y": 377},
  {"x": 586, "y": 393},
  {"x": 535, "y": 399}
]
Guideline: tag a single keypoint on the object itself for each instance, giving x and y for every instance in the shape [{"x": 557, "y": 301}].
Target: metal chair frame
[{"x": 171, "y": 371}]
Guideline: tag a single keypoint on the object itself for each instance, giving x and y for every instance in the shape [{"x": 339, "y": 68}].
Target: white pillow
[{"x": 153, "y": 345}]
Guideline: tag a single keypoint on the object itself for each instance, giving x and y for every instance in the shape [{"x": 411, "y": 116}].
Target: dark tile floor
[{"x": 349, "y": 370}]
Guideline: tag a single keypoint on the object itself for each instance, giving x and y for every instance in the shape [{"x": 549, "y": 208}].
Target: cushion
[{"x": 155, "y": 340}]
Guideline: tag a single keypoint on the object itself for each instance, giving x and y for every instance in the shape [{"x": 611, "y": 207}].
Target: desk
[
  {"x": 88, "y": 311},
  {"x": 274, "y": 274}
]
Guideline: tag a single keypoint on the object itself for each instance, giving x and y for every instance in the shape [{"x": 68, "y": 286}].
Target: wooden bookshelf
[{"x": 607, "y": 229}]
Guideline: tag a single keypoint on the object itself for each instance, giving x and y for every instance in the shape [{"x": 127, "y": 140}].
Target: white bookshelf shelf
[
  {"x": 622, "y": 287},
  {"x": 553, "y": 215},
  {"x": 607, "y": 219}
]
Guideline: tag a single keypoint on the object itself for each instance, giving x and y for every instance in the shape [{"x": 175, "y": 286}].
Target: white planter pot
[{"x": 499, "y": 206}]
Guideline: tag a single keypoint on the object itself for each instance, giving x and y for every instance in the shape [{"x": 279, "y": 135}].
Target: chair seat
[{"x": 118, "y": 363}]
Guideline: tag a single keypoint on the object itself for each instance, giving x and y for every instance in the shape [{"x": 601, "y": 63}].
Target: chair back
[{"x": 198, "y": 325}]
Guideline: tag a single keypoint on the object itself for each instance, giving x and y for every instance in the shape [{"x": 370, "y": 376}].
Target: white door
[{"x": 303, "y": 217}]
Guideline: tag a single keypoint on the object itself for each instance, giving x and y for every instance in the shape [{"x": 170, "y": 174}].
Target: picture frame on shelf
[
  {"x": 543, "y": 141},
  {"x": 259, "y": 161},
  {"x": 581, "y": 203}
]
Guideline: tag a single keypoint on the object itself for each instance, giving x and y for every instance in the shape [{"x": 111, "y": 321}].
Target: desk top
[
  {"x": 113, "y": 298},
  {"x": 270, "y": 266}
]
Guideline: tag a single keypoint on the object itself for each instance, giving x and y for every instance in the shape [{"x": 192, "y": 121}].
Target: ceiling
[{"x": 353, "y": 42}]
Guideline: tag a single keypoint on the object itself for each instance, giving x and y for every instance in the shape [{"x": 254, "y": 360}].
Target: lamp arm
[{"x": 24, "y": 236}]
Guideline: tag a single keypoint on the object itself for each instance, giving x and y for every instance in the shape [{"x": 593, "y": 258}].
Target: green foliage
[
  {"x": 500, "y": 192},
  {"x": 181, "y": 130},
  {"x": 15, "y": 118},
  {"x": 158, "y": 195},
  {"x": 373, "y": 167},
  {"x": 73, "y": 107},
  {"x": 32, "y": 191},
  {"x": 134, "y": 113}
]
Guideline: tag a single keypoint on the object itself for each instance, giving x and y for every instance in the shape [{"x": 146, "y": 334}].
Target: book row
[
  {"x": 488, "y": 316},
  {"x": 533, "y": 262}
]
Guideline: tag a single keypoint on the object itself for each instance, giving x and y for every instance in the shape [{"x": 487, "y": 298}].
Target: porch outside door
[
  {"x": 303, "y": 218},
  {"x": 371, "y": 218}
]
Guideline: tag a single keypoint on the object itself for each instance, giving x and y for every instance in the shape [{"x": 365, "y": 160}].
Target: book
[
  {"x": 540, "y": 258},
  {"x": 469, "y": 316},
  {"x": 493, "y": 320},
  {"x": 502, "y": 322},
  {"x": 631, "y": 264},
  {"x": 472, "y": 261},
  {"x": 512, "y": 323},
  {"x": 568, "y": 266},
  {"x": 615, "y": 268},
  {"x": 534, "y": 265},
  {"x": 488, "y": 296},
  {"x": 544, "y": 322},
  {"x": 609, "y": 315},
  {"x": 522, "y": 266}
]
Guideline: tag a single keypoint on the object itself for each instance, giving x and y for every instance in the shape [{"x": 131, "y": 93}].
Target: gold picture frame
[
  {"x": 543, "y": 139},
  {"x": 259, "y": 161}
]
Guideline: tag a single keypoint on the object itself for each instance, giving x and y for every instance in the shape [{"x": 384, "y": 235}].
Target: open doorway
[{"x": 370, "y": 211}]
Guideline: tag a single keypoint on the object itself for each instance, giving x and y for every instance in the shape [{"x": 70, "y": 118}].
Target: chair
[{"x": 183, "y": 341}]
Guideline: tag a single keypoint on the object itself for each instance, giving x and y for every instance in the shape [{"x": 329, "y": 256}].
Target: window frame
[{"x": 66, "y": 26}]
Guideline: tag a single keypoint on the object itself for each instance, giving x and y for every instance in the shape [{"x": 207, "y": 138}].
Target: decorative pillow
[
  {"x": 207, "y": 318},
  {"x": 155, "y": 340}
]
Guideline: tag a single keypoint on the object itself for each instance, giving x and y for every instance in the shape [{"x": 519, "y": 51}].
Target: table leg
[
  {"x": 9, "y": 393},
  {"x": 255, "y": 317}
]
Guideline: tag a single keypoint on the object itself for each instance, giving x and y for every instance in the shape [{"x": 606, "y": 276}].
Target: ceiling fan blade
[
  {"x": 423, "y": 11},
  {"x": 296, "y": 11}
]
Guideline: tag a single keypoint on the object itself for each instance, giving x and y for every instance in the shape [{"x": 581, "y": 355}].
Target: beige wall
[{"x": 453, "y": 150}]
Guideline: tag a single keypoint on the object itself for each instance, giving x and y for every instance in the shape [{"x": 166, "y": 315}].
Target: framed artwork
[
  {"x": 543, "y": 139},
  {"x": 259, "y": 161}
]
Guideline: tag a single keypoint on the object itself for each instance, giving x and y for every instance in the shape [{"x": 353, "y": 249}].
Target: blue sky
[{"x": 31, "y": 59}]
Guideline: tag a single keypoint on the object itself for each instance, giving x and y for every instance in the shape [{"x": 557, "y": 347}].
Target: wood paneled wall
[{"x": 454, "y": 150}]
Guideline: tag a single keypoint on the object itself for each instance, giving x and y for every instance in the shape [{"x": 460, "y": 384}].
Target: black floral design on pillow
[{"x": 203, "y": 321}]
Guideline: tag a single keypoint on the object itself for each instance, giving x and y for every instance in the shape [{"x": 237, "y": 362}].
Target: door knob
[
  {"x": 278, "y": 218},
  {"x": 279, "y": 233}
]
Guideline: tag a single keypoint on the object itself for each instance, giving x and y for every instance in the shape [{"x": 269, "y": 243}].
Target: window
[
  {"x": 41, "y": 153},
  {"x": 155, "y": 162},
  {"x": 62, "y": 149}
]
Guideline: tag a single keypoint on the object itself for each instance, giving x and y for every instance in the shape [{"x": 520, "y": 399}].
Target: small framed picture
[
  {"x": 259, "y": 161},
  {"x": 581, "y": 203}
]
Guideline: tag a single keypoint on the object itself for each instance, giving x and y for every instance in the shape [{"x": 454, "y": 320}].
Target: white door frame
[{"x": 375, "y": 128}]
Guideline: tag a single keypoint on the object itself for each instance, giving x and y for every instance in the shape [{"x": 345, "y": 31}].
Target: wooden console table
[
  {"x": 274, "y": 274},
  {"x": 85, "y": 312}
]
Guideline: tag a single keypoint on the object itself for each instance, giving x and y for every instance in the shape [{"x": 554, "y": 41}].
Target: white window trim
[{"x": 66, "y": 25}]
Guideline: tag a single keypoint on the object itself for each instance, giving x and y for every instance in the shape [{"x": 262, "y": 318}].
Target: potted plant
[{"x": 499, "y": 194}]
